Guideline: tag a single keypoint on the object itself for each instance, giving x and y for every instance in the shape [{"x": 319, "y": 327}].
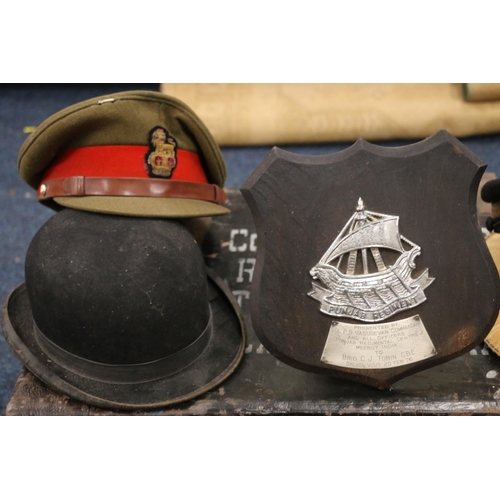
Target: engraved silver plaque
[
  {"x": 368, "y": 295},
  {"x": 377, "y": 346}
]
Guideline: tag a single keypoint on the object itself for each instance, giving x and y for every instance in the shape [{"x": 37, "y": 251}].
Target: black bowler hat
[{"x": 119, "y": 312}]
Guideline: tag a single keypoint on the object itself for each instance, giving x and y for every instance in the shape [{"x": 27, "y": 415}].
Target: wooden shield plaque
[{"x": 371, "y": 264}]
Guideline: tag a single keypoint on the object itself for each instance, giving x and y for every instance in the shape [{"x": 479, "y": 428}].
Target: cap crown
[{"x": 123, "y": 118}]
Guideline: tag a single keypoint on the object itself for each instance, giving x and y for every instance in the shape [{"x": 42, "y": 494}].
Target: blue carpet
[{"x": 21, "y": 215}]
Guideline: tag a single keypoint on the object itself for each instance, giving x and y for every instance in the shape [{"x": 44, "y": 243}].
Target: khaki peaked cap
[{"x": 124, "y": 119}]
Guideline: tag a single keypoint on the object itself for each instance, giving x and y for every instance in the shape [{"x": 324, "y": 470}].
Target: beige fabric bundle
[
  {"x": 251, "y": 114},
  {"x": 493, "y": 338}
]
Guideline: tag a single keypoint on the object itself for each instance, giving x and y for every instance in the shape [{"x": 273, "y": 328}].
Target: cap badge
[{"x": 161, "y": 157}]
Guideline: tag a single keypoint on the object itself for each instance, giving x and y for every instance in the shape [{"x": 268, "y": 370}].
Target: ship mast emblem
[{"x": 366, "y": 272}]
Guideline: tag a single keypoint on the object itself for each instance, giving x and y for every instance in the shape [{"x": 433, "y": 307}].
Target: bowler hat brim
[{"x": 217, "y": 362}]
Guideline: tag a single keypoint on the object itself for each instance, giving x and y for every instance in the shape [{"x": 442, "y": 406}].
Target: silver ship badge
[{"x": 377, "y": 285}]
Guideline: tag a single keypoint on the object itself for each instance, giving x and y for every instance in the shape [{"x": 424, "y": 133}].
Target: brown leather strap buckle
[{"x": 219, "y": 195}]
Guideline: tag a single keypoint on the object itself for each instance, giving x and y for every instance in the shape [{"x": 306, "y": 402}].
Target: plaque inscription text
[{"x": 377, "y": 346}]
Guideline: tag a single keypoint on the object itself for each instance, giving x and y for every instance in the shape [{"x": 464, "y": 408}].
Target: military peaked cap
[{"x": 138, "y": 153}]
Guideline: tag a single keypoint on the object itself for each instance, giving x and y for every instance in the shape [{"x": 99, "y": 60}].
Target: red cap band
[{"x": 120, "y": 161}]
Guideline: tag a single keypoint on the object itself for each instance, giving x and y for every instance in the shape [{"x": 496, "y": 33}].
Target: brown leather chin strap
[{"x": 114, "y": 186}]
